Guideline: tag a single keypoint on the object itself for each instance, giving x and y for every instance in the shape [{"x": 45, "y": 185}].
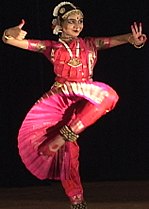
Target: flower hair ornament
[
  {"x": 56, "y": 26},
  {"x": 61, "y": 12},
  {"x": 57, "y": 9}
]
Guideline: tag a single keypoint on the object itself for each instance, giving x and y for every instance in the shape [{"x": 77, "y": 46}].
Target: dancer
[{"x": 47, "y": 138}]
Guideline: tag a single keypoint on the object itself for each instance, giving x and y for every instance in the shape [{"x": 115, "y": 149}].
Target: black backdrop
[{"x": 116, "y": 147}]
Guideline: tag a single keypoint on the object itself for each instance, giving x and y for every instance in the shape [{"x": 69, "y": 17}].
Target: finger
[
  {"x": 133, "y": 30},
  {"x": 143, "y": 37},
  {"x": 23, "y": 32},
  {"x": 135, "y": 27},
  {"x": 21, "y": 24},
  {"x": 23, "y": 35},
  {"x": 140, "y": 28}
]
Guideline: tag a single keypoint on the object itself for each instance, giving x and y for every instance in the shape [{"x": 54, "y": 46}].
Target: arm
[
  {"x": 119, "y": 40},
  {"x": 135, "y": 38},
  {"x": 15, "y": 36}
]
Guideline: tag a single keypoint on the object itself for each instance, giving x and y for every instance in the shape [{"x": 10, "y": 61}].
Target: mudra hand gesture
[
  {"x": 137, "y": 38},
  {"x": 16, "y": 32}
]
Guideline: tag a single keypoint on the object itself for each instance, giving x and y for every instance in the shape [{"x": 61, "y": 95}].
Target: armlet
[
  {"x": 35, "y": 45},
  {"x": 102, "y": 43}
]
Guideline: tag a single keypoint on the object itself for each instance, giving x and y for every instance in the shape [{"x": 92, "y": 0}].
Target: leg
[
  {"x": 86, "y": 115},
  {"x": 90, "y": 113},
  {"x": 49, "y": 149},
  {"x": 73, "y": 187}
]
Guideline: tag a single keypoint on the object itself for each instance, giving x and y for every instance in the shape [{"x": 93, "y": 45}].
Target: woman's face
[{"x": 73, "y": 25}]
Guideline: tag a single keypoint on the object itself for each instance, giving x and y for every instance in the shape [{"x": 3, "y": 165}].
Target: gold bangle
[
  {"x": 7, "y": 37},
  {"x": 68, "y": 134},
  {"x": 138, "y": 46}
]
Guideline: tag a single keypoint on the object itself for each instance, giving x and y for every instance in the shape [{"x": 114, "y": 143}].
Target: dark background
[{"x": 116, "y": 147}]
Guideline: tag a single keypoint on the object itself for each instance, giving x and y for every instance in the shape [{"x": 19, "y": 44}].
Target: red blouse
[{"x": 58, "y": 54}]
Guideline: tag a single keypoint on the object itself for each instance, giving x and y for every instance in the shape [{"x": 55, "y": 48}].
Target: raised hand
[
  {"x": 138, "y": 37},
  {"x": 17, "y": 32}
]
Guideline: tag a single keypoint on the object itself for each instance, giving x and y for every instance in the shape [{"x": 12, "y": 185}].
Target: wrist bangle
[
  {"x": 138, "y": 46},
  {"x": 7, "y": 37}
]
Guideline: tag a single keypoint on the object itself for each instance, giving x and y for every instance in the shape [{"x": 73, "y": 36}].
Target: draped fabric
[{"x": 58, "y": 107}]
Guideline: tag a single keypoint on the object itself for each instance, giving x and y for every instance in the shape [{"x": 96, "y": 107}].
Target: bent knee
[{"x": 112, "y": 98}]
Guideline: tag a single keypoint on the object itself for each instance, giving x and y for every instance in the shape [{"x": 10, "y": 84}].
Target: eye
[
  {"x": 81, "y": 21},
  {"x": 70, "y": 21}
]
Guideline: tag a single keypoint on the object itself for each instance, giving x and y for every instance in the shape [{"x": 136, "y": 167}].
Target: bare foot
[{"x": 51, "y": 148}]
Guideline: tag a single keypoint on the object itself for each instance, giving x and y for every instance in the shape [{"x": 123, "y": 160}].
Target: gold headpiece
[
  {"x": 61, "y": 11},
  {"x": 61, "y": 5}
]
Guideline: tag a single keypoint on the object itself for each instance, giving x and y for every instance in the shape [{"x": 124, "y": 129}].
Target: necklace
[{"x": 74, "y": 61}]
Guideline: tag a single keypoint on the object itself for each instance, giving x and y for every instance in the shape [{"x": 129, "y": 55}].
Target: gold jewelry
[
  {"x": 74, "y": 61},
  {"x": 68, "y": 134},
  {"x": 60, "y": 5},
  {"x": 82, "y": 205},
  {"x": 7, "y": 37},
  {"x": 138, "y": 46},
  {"x": 73, "y": 11},
  {"x": 62, "y": 10}
]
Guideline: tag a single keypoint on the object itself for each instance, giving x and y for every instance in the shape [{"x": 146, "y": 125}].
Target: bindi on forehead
[
  {"x": 78, "y": 18},
  {"x": 75, "y": 18}
]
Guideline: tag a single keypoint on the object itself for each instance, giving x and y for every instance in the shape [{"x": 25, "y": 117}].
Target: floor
[{"x": 99, "y": 195}]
